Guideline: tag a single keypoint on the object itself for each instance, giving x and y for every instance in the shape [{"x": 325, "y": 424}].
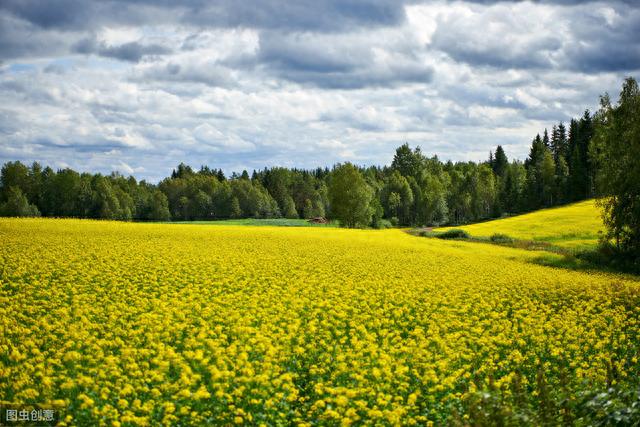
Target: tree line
[{"x": 569, "y": 163}]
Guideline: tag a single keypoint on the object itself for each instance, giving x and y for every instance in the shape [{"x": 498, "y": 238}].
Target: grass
[
  {"x": 574, "y": 227},
  {"x": 568, "y": 236},
  {"x": 279, "y": 222}
]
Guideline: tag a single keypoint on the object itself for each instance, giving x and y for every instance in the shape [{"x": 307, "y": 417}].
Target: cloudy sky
[{"x": 139, "y": 86}]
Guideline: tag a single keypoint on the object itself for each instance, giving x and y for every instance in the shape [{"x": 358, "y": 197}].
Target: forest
[{"x": 569, "y": 162}]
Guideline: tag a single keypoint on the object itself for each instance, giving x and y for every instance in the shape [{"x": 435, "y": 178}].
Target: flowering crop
[
  {"x": 149, "y": 324},
  {"x": 572, "y": 226}
]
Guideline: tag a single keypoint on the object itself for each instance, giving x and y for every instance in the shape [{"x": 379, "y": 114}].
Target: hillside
[{"x": 572, "y": 226}]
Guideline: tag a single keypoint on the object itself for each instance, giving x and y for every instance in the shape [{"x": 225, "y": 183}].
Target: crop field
[
  {"x": 278, "y": 222},
  {"x": 573, "y": 226},
  {"x": 159, "y": 324}
]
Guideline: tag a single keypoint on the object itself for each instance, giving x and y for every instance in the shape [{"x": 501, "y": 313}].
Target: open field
[
  {"x": 572, "y": 226},
  {"x": 146, "y": 324},
  {"x": 278, "y": 222}
]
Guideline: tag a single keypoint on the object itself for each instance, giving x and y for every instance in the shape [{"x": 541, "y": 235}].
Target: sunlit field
[
  {"x": 573, "y": 226},
  {"x": 148, "y": 324},
  {"x": 278, "y": 222}
]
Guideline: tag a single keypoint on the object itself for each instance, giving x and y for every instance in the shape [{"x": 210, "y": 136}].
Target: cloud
[
  {"x": 208, "y": 74},
  {"x": 18, "y": 39},
  {"x": 500, "y": 36},
  {"x": 606, "y": 39},
  {"x": 594, "y": 38},
  {"x": 342, "y": 61},
  {"x": 142, "y": 85},
  {"x": 131, "y": 51}
]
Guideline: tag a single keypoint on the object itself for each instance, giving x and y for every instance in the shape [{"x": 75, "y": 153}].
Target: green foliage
[
  {"x": 616, "y": 151},
  {"x": 350, "y": 196},
  {"x": 235, "y": 211},
  {"x": 500, "y": 162},
  {"x": 560, "y": 405},
  {"x": 377, "y": 212},
  {"x": 17, "y": 204},
  {"x": 289, "y": 208},
  {"x": 159, "y": 207},
  {"x": 500, "y": 238},
  {"x": 433, "y": 209},
  {"x": 454, "y": 233},
  {"x": 406, "y": 162},
  {"x": 397, "y": 197}
]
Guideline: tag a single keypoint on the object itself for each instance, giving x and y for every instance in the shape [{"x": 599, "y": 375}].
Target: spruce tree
[{"x": 500, "y": 162}]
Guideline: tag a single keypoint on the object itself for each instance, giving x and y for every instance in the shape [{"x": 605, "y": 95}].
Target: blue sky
[{"x": 140, "y": 86}]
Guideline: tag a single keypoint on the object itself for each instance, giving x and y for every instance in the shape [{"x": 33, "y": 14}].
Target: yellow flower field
[
  {"x": 150, "y": 324},
  {"x": 574, "y": 226}
]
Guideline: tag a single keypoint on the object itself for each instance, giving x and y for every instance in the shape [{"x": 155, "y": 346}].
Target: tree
[
  {"x": 484, "y": 194},
  {"x": 559, "y": 142},
  {"x": 434, "y": 204},
  {"x": 394, "y": 202},
  {"x": 376, "y": 213},
  {"x": 201, "y": 205},
  {"x": 407, "y": 162},
  {"x": 500, "y": 162},
  {"x": 159, "y": 207},
  {"x": 617, "y": 146},
  {"x": 548, "y": 178},
  {"x": 17, "y": 204},
  {"x": 512, "y": 196},
  {"x": 534, "y": 166},
  {"x": 105, "y": 202},
  {"x": 183, "y": 171},
  {"x": 349, "y": 196},
  {"x": 13, "y": 175},
  {"x": 289, "y": 208},
  {"x": 562, "y": 180},
  {"x": 308, "y": 211},
  {"x": 235, "y": 211},
  {"x": 397, "y": 187}
]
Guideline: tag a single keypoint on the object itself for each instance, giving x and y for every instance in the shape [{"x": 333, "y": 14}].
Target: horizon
[
  {"x": 138, "y": 88},
  {"x": 228, "y": 174}
]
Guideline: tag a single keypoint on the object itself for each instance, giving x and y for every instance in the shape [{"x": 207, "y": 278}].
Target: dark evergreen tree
[{"x": 500, "y": 162}]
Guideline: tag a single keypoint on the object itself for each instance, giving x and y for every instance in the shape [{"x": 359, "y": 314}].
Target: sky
[{"x": 138, "y": 86}]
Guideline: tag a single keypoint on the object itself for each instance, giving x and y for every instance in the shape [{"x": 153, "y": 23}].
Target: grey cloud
[
  {"x": 207, "y": 74},
  {"x": 514, "y": 42},
  {"x": 75, "y": 15},
  {"x": 362, "y": 78},
  {"x": 605, "y": 46},
  {"x": 309, "y": 15},
  {"x": 328, "y": 15},
  {"x": 305, "y": 53},
  {"x": 337, "y": 62},
  {"x": 19, "y": 39},
  {"x": 578, "y": 38},
  {"x": 132, "y": 51},
  {"x": 84, "y": 146}
]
